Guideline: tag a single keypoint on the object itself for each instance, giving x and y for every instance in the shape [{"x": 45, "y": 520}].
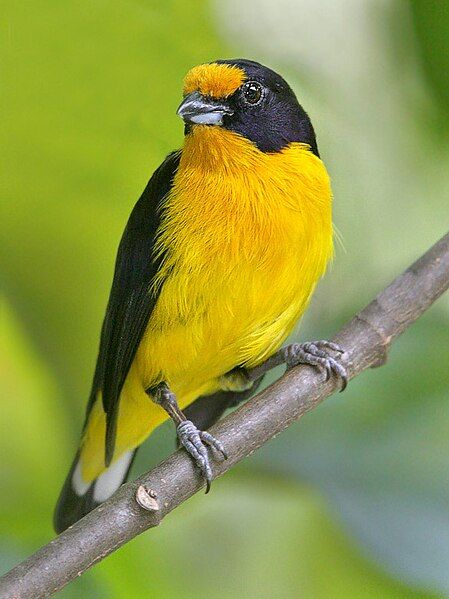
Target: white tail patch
[
  {"x": 111, "y": 479},
  {"x": 79, "y": 486}
]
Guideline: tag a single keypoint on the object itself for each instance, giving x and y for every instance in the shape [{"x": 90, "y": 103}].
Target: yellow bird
[{"x": 217, "y": 263}]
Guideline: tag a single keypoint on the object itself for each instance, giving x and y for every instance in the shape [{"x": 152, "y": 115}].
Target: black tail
[{"x": 77, "y": 498}]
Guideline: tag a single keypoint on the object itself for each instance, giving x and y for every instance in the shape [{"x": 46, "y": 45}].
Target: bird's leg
[
  {"x": 322, "y": 354},
  {"x": 194, "y": 441}
]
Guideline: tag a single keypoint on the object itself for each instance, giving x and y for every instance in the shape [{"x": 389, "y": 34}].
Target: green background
[{"x": 354, "y": 500}]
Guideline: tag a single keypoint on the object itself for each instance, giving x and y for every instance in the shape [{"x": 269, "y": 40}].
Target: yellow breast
[{"x": 246, "y": 235}]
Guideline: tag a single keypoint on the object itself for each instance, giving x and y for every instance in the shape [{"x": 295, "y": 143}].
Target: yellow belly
[{"x": 245, "y": 242}]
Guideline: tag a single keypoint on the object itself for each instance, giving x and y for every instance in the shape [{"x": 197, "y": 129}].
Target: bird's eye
[{"x": 252, "y": 92}]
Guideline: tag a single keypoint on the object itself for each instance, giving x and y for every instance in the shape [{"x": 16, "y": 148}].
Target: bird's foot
[
  {"x": 322, "y": 354},
  {"x": 196, "y": 443}
]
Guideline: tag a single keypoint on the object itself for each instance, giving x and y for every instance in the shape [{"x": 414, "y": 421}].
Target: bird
[{"x": 216, "y": 266}]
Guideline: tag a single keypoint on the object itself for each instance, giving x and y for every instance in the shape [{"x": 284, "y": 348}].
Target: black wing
[{"x": 131, "y": 300}]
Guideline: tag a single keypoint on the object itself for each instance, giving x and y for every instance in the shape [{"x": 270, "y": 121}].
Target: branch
[{"x": 142, "y": 504}]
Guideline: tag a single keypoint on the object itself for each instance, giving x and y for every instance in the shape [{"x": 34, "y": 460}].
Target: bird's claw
[
  {"x": 195, "y": 442},
  {"x": 319, "y": 354}
]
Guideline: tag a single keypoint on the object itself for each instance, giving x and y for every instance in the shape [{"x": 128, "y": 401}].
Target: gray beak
[{"x": 199, "y": 110}]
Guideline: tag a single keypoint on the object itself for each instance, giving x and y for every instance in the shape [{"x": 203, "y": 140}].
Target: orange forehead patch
[{"x": 215, "y": 80}]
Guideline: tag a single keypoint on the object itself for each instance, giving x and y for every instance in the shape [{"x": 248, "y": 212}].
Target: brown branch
[{"x": 142, "y": 504}]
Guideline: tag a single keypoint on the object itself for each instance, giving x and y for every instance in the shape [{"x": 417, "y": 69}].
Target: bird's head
[{"x": 249, "y": 99}]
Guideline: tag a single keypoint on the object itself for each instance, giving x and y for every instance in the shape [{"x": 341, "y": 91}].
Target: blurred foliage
[
  {"x": 353, "y": 500},
  {"x": 431, "y": 21}
]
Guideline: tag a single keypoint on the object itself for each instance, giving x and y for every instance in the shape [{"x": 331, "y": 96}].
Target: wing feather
[{"x": 131, "y": 300}]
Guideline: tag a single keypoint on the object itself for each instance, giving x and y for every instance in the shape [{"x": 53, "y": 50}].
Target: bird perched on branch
[{"x": 217, "y": 263}]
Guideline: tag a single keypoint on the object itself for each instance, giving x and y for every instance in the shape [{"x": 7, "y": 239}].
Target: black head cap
[{"x": 265, "y": 110}]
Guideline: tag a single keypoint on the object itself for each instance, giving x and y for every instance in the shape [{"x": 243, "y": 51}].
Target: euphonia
[{"x": 216, "y": 265}]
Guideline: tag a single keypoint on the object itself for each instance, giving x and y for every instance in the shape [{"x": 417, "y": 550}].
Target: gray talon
[
  {"x": 213, "y": 442},
  {"x": 317, "y": 354},
  {"x": 195, "y": 443}
]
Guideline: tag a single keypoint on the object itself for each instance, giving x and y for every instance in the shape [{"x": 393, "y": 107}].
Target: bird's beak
[{"x": 197, "y": 109}]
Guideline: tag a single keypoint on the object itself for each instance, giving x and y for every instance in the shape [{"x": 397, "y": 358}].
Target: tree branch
[{"x": 142, "y": 504}]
